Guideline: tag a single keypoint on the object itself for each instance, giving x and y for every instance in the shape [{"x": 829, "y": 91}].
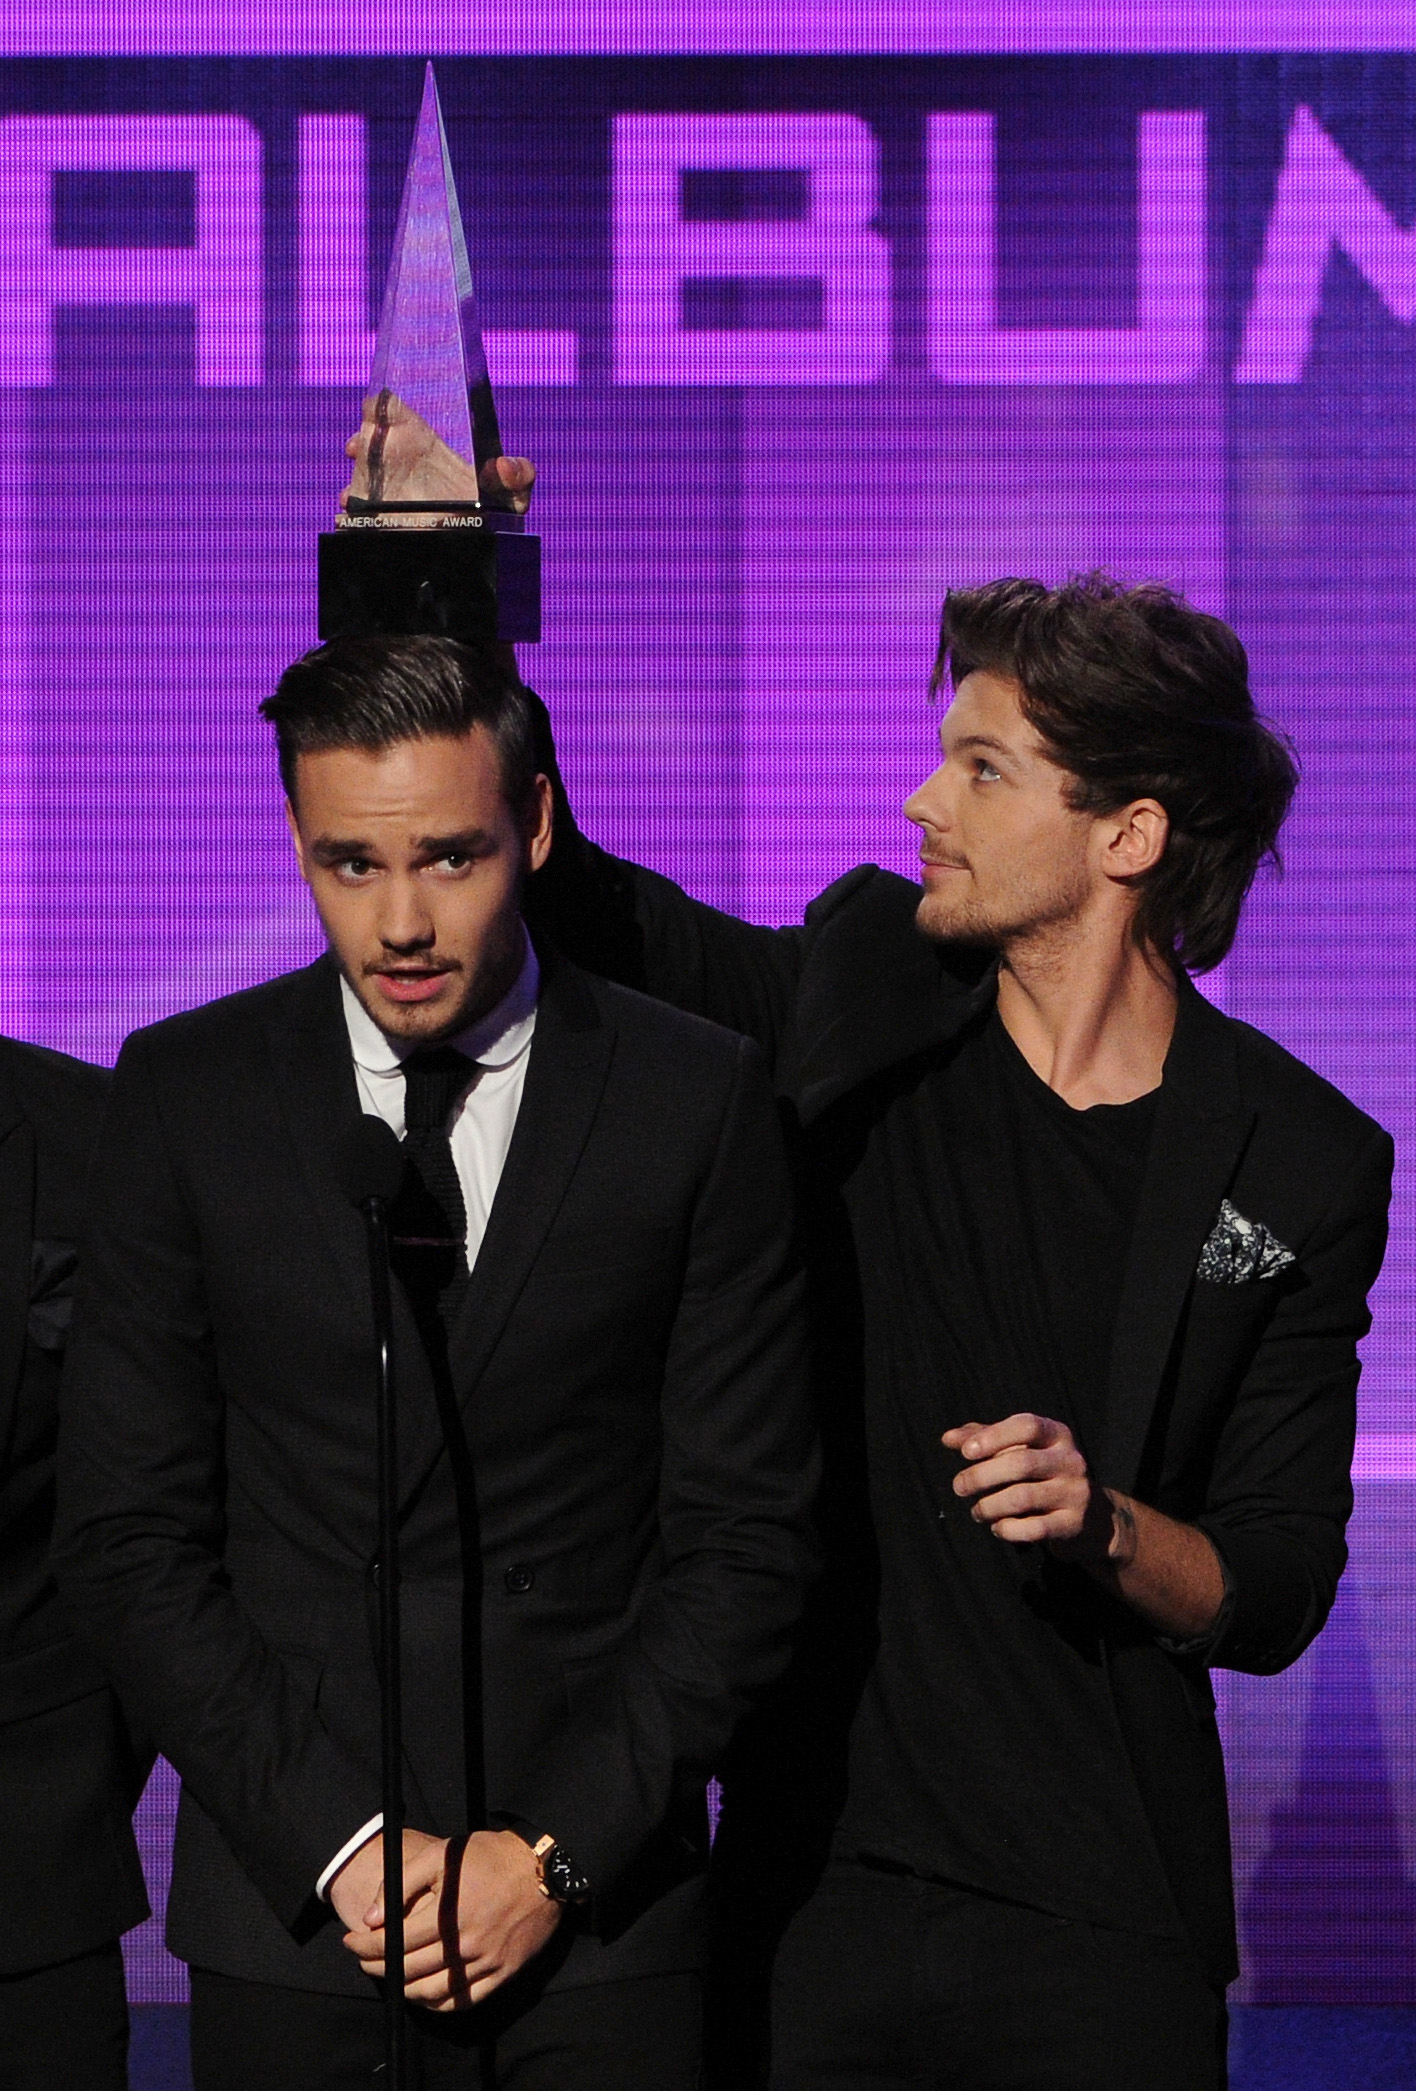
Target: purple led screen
[{"x": 796, "y": 343}]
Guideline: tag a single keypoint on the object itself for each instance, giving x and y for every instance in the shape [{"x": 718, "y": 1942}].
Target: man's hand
[
  {"x": 356, "y": 1891},
  {"x": 1029, "y": 1483},
  {"x": 397, "y": 457},
  {"x": 507, "y": 483},
  {"x": 475, "y": 1916}
]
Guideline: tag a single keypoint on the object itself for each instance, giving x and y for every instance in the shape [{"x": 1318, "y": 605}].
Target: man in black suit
[
  {"x": 69, "y": 1777},
  {"x": 1089, "y": 1265},
  {"x": 607, "y": 1460}
]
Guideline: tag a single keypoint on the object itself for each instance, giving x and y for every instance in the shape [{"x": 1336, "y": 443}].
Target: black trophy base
[{"x": 456, "y": 584}]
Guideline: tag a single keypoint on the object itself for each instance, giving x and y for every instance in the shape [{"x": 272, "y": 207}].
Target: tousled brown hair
[
  {"x": 373, "y": 693},
  {"x": 1137, "y": 695}
]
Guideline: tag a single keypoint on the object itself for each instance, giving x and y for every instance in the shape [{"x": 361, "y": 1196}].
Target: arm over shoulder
[{"x": 639, "y": 928}]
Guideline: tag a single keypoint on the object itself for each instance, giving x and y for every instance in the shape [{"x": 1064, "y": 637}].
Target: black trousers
[
  {"x": 643, "y": 2035},
  {"x": 65, "y": 2028},
  {"x": 887, "y": 1981}
]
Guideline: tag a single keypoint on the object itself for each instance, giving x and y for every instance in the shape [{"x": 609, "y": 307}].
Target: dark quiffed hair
[
  {"x": 373, "y": 693},
  {"x": 1138, "y": 696}
]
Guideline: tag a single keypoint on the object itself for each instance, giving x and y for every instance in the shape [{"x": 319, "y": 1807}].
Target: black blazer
[
  {"x": 604, "y": 1538},
  {"x": 1228, "y": 1404},
  {"x": 69, "y": 1778}
]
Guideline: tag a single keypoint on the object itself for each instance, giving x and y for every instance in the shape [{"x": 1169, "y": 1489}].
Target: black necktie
[{"x": 429, "y": 1219}]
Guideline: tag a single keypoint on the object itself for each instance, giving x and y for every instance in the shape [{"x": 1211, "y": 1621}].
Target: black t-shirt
[{"x": 986, "y": 1748}]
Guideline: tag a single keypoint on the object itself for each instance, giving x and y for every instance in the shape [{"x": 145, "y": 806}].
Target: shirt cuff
[
  {"x": 346, "y": 1851},
  {"x": 526, "y": 1831}
]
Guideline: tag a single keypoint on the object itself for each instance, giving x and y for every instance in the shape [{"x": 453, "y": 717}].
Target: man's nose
[
  {"x": 926, "y": 805},
  {"x": 404, "y": 921}
]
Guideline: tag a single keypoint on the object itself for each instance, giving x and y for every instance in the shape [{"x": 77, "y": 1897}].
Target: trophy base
[{"x": 451, "y": 583}]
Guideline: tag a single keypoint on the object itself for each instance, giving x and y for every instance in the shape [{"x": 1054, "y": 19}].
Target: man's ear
[
  {"x": 294, "y": 826},
  {"x": 540, "y": 823},
  {"x": 1134, "y": 839}
]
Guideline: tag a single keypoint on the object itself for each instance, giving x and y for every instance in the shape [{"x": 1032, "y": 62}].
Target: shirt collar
[{"x": 495, "y": 1040}]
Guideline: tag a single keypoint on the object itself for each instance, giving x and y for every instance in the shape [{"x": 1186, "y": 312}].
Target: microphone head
[{"x": 369, "y": 1162}]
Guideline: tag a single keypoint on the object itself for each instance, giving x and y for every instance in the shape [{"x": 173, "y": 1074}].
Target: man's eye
[
  {"x": 987, "y": 774},
  {"x": 356, "y": 867}
]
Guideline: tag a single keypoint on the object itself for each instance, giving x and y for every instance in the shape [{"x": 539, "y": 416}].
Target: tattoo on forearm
[{"x": 1124, "y": 1541}]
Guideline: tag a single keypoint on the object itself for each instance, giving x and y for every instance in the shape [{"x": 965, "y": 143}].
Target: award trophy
[{"x": 425, "y": 540}]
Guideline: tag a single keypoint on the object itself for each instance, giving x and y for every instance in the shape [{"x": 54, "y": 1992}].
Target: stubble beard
[
  {"x": 1022, "y": 917},
  {"x": 418, "y": 1023}
]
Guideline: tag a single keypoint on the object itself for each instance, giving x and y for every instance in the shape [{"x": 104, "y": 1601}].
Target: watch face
[{"x": 563, "y": 1877}]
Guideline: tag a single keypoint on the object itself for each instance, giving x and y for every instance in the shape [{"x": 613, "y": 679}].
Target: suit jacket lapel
[
  {"x": 319, "y": 1099},
  {"x": 1202, "y": 1126},
  {"x": 565, "y": 1076},
  {"x": 16, "y": 1244}
]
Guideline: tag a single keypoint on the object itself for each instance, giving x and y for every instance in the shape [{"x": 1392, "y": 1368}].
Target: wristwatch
[{"x": 557, "y": 1875}]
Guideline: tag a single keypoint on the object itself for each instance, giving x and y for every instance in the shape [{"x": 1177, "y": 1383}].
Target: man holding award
[{"x": 605, "y": 1462}]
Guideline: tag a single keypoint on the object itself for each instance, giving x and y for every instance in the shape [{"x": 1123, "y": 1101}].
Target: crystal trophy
[{"x": 425, "y": 540}]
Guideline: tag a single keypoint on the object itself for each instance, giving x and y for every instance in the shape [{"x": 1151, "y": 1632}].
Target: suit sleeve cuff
[{"x": 346, "y": 1851}]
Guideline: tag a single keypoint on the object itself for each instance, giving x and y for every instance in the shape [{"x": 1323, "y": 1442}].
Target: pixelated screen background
[{"x": 796, "y": 343}]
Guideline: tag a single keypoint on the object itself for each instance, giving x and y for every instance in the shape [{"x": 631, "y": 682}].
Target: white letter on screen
[
  {"x": 776, "y": 299},
  {"x": 332, "y": 251},
  {"x": 966, "y": 344},
  {"x": 332, "y": 210},
  {"x": 1321, "y": 203},
  {"x": 221, "y": 277}
]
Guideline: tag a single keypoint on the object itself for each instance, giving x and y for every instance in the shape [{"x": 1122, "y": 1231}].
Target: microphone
[
  {"x": 370, "y": 1163},
  {"x": 370, "y": 1166}
]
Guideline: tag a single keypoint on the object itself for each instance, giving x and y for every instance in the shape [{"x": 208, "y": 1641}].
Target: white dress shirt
[
  {"x": 500, "y": 1044},
  {"x": 486, "y": 1119}
]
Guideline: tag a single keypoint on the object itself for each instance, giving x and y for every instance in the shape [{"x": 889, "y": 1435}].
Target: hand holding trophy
[
  {"x": 397, "y": 457},
  {"x": 430, "y": 534}
]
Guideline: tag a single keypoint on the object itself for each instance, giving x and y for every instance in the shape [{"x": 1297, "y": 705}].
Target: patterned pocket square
[{"x": 1240, "y": 1249}]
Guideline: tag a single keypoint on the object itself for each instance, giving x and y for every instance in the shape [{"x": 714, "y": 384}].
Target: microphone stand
[{"x": 375, "y": 1211}]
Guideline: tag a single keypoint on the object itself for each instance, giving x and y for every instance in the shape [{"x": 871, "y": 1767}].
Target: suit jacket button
[{"x": 519, "y": 1579}]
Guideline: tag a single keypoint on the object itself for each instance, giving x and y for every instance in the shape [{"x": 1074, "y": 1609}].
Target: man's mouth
[
  {"x": 411, "y": 983},
  {"x": 943, "y": 864}
]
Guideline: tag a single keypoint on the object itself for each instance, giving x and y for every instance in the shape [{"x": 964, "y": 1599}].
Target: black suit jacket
[
  {"x": 1231, "y": 1405},
  {"x": 69, "y": 1778},
  {"x": 604, "y": 1537}
]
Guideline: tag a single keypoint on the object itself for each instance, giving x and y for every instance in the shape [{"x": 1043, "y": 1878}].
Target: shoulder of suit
[
  {"x": 862, "y": 946},
  {"x": 1285, "y": 1089},
  {"x": 46, "y": 1081},
  {"x": 61, "y": 1100},
  {"x": 865, "y": 899},
  {"x": 231, "y": 1019},
  {"x": 657, "y": 1026},
  {"x": 870, "y": 917}
]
